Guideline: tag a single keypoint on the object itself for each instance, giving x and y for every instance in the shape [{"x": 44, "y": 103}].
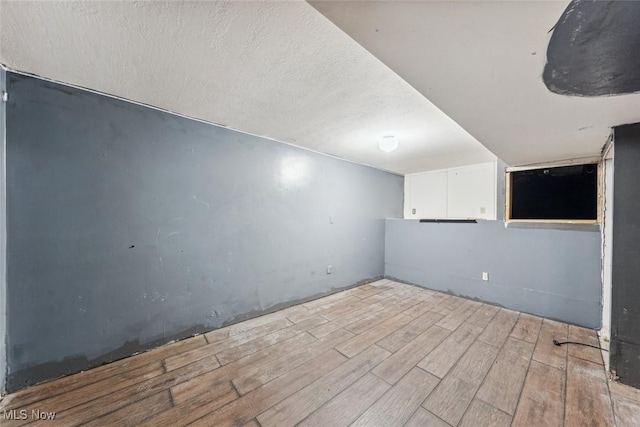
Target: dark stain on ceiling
[{"x": 595, "y": 49}]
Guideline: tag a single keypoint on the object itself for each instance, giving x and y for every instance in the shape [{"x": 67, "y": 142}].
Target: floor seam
[{"x": 535, "y": 344}]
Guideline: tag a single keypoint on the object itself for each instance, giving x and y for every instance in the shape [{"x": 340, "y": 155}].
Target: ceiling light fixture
[{"x": 388, "y": 143}]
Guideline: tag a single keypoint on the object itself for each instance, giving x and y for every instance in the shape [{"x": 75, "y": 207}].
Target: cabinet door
[
  {"x": 471, "y": 192},
  {"x": 428, "y": 195}
]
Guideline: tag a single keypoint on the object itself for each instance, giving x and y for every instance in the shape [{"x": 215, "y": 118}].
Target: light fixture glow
[
  {"x": 388, "y": 143},
  {"x": 294, "y": 172}
]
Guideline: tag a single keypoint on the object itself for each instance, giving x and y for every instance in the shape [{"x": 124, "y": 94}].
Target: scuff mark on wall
[{"x": 201, "y": 202}]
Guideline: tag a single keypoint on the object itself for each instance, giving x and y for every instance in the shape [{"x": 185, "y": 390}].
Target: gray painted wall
[
  {"x": 625, "y": 295},
  {"x": 129, "y": 226},
  {"x": 547, "y": 272},
  {"x": 3, "y": 289}
]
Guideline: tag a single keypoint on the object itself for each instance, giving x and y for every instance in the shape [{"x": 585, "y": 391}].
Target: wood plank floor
[{"x": 382, "y": 354}]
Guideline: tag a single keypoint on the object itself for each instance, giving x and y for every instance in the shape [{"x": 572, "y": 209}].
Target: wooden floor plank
[
  {"x": 83, "y": 379},
  {"x": 527, "y": 328},
  {"x": 300, "y": 405},
  {"x": 235, "y": 353},
  {"x": 234, "y": 369},
  {"x": 373, "y": 319},
  {"x": 360, "y": 342},
  {"x": 542, "y": 400},
  {"x": 586, "y": 336},
  {"x": 499, "y": 328},
  {"x": 242, "y": 337},
  {"x": 257, "y": 344},
  {"x": 443, "y": 357},
  {"x": 78, "y": 396},
  {"x": 483, "y": 315},
  {"x": 588, "y": 401},
  {"x": 502, "y": 386},
  {"x": 402, "y": 292},
  {"x": 382, "y": 301},
  {"x": 548, "y": 353},
  {"x": 259, "y": 400},
  {"x": 195, "y": 407},
  {"x": 236, "y": 339},
  {"x": 327, "y": 300},
  {"x": 624, "y": 390},
  {"x": 296, "y": 313},
  {"x": 115, "y": 399},
  {"x": 376, "y": 290},
  {"x": 180, "y": 360},
  {"x": 376, "y": 318},
  {"x": 481, "y": 414},
  {"x": 407, "y": 303},
  {"x": 454, "y": 319},
  {"x": 424, "y": 418},
  {"x": 135, "y": 414},
  {"x": 344, "y": 310},
  {"x": 425, "y": 306},
  {"x": 259, "y": 374},
  {"x": 448, "y": 305},
  {"x": 299, "y": 315},
  {"x": 346, "y": 320},
  {"x": 626, "y": 411},
  {"x": 245, "y": 326},
  {"x": 323, "y": 307},
  {"x": 402, "y": 361},
  {"x": 348, "y": 405},
  {"x": 218, "y": 334},
  {"x": 408, "y": 333},
  {"x": 456, "y": 391},
  {"x": 397, "y": 405}
]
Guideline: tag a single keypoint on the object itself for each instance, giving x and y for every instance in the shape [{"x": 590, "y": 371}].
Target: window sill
[{"x": 554, "y": 225}]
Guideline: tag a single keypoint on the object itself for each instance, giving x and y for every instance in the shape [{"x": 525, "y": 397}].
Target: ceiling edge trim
[{"x": 25, "y": 73}]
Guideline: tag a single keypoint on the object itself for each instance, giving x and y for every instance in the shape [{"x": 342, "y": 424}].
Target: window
[{"x": 554, "y": 194}]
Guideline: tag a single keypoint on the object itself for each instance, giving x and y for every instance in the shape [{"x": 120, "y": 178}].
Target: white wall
[
  {"x": 607, "y": 240},
  {"x": 454, "y": 193}
]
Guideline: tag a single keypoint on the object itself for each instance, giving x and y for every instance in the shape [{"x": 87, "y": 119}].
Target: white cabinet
[
  {"x": 427, "y": 195},
  {"x": 472, "y": 191},
  {"x": 455, "y": 193}
]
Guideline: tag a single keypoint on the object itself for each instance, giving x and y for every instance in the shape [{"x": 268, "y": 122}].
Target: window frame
[{"x": 508, "y": 194}]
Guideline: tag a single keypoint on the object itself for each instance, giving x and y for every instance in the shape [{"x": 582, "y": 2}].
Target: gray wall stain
[
  {"x": 131, "y": 225},
  {"x": 550, "y": 273},
  {"x": 625, "y": 292}
]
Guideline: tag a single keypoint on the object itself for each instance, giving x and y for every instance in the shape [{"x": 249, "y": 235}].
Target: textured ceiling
[
  {"x": 482, "y": 64},
  {"x": 280, "y": 70}
]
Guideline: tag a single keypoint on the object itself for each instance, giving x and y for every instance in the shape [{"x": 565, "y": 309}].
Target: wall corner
[{"x": 3, "y": 239}]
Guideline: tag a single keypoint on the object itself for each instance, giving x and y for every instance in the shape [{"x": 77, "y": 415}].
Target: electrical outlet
[
  {"x": 329, "y": 269},
  {"x": 483, "y": 210},
  {"x": 413, "y": 211},
  {"x": 485, "y": 276}
]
